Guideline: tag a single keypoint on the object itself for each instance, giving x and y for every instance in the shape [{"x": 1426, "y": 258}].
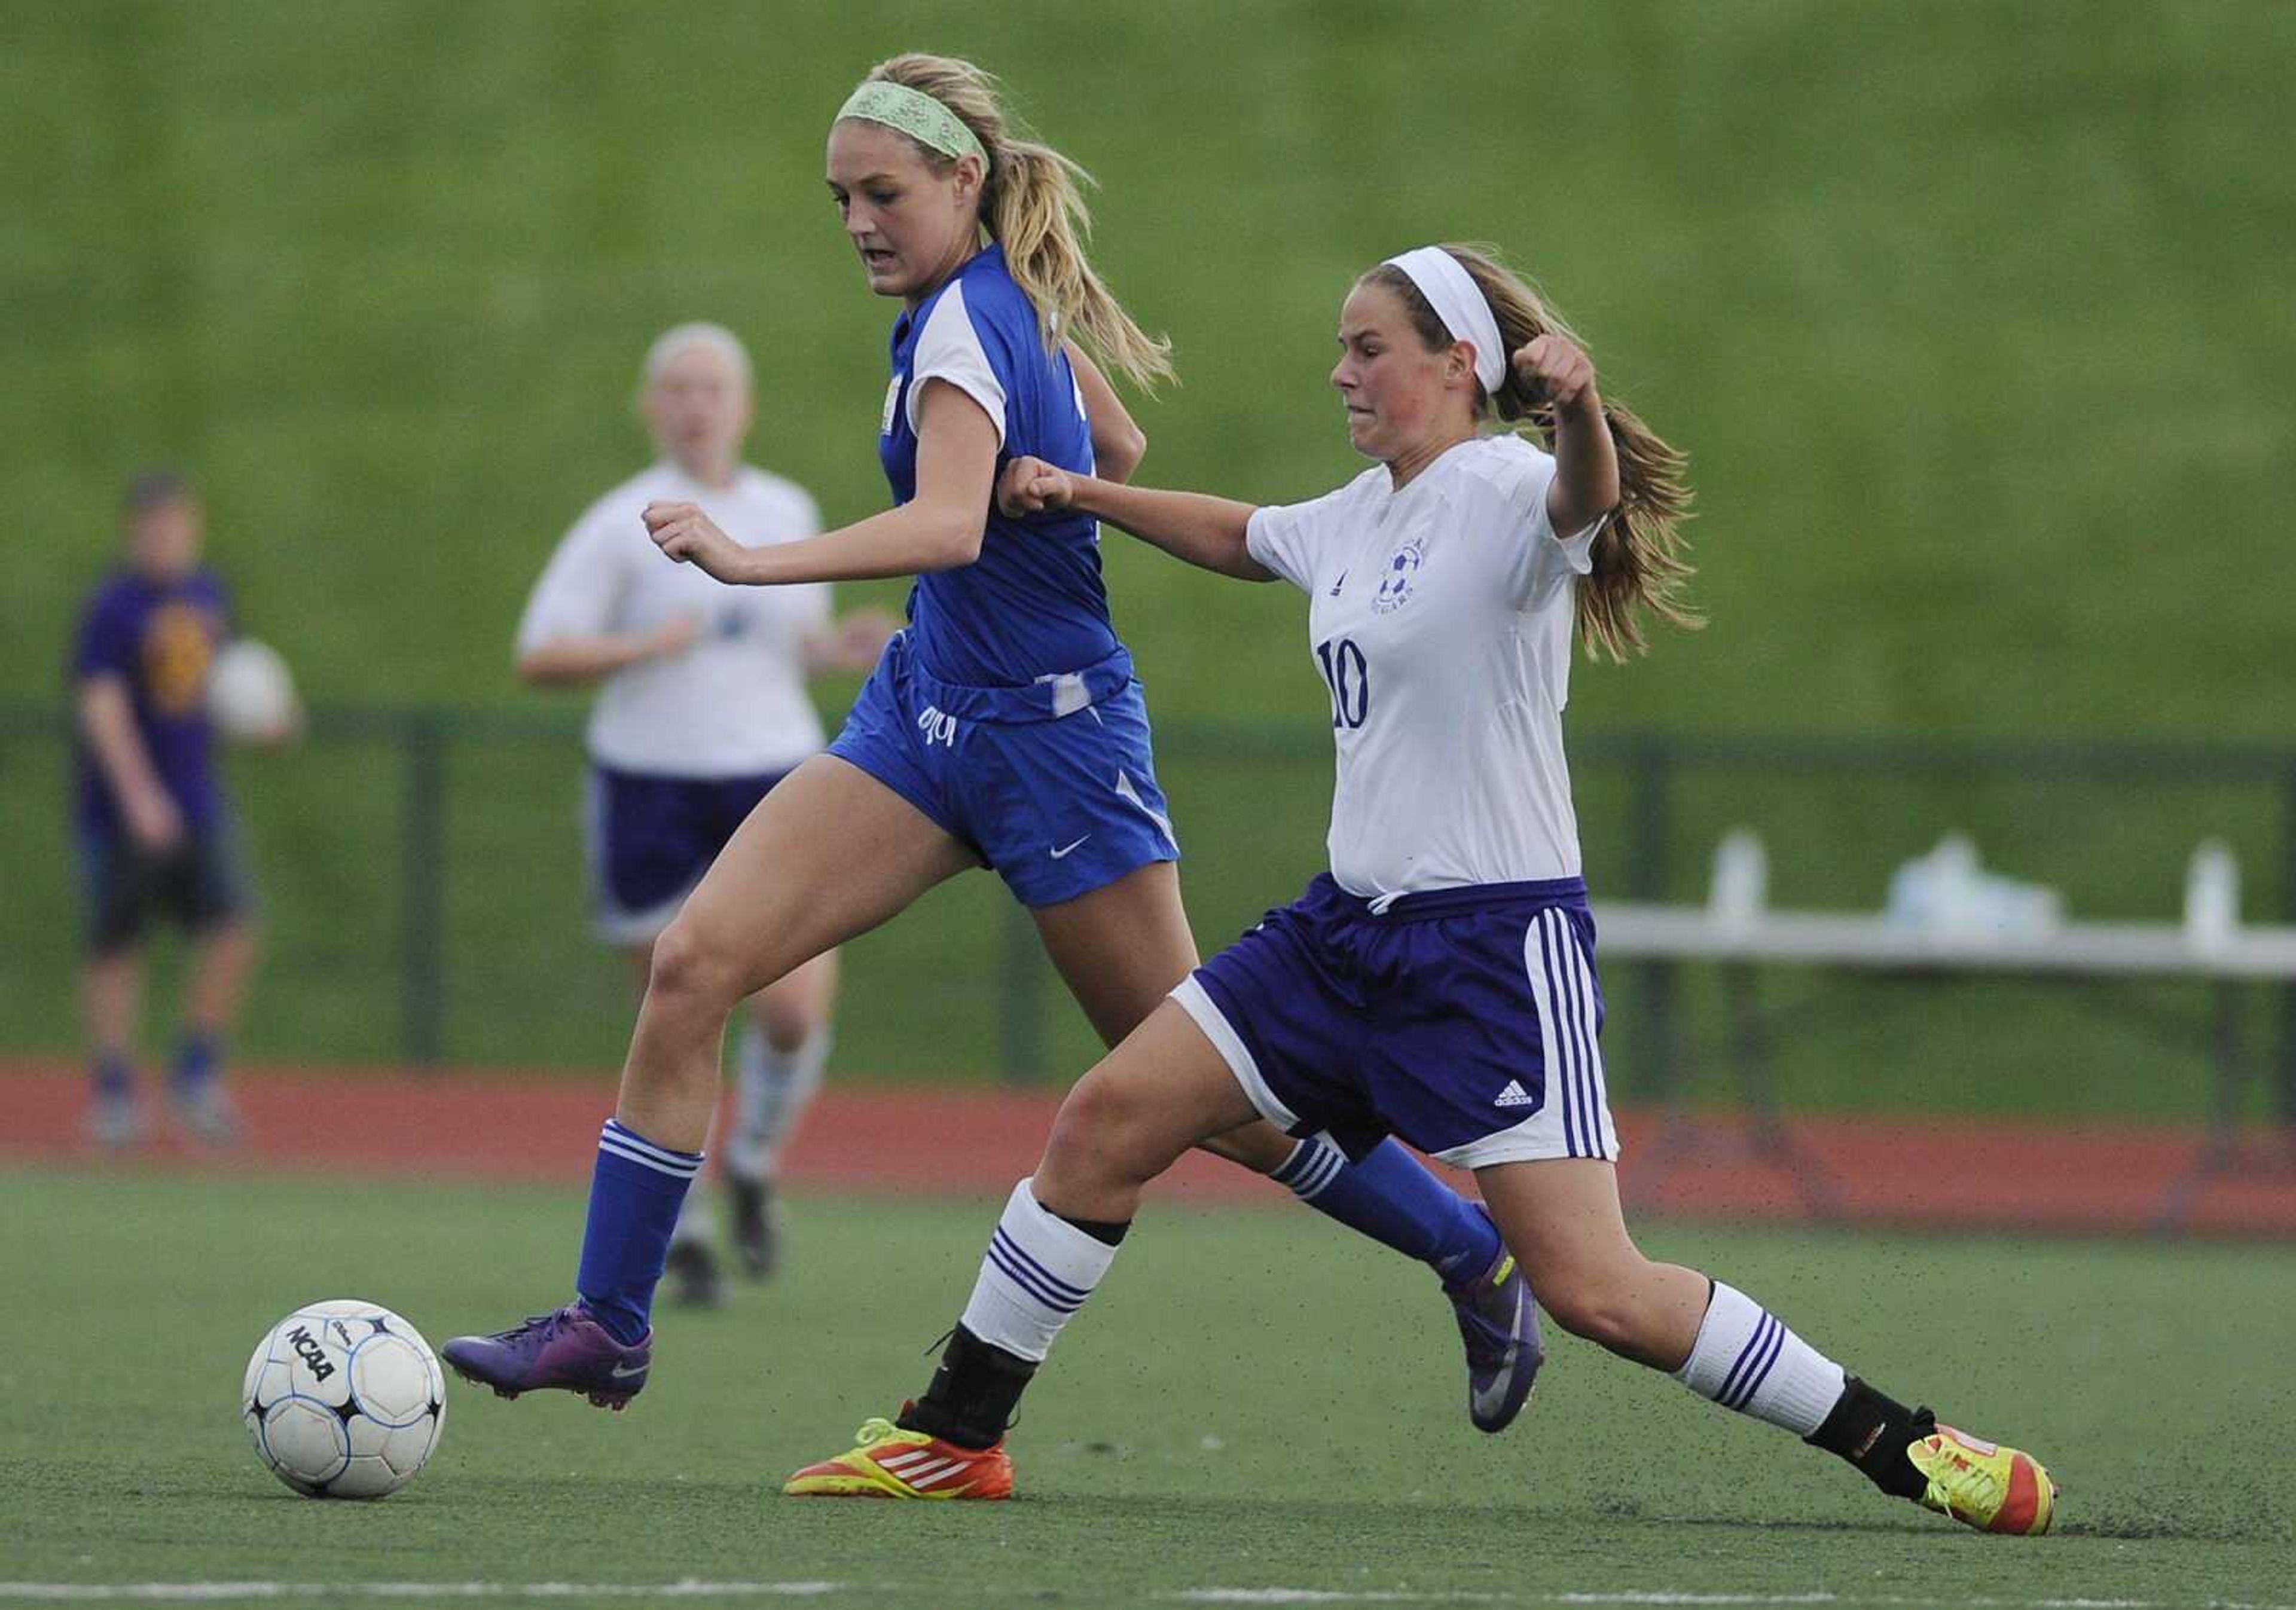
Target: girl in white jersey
[
  {"x": 702, "y": 709},
  {"x": 1004, "y": 727},
  {"x": 1438, "y": 983}
]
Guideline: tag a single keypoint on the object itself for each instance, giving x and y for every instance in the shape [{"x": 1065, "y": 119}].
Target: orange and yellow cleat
[
  {"x": 1982, "y": 1484},
  {"x": 890, "y": 1463}
]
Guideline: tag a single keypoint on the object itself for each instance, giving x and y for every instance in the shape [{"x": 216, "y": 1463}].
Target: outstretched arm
[
  {"x": 938, "y": 529},
  {"x": 1586, "y": 484},
  {"x": 1118, "y": 442},
  {"x": 1196, "y": 526},
  {"x": 574, "y": 660}
]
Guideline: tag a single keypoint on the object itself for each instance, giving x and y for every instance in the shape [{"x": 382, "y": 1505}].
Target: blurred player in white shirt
[{"x": 701, "y": 709}]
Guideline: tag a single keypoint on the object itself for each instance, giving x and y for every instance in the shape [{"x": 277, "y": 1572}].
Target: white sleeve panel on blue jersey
[
  {"x": 948, "y": 348},
  {"x": 584, "y": 581}
]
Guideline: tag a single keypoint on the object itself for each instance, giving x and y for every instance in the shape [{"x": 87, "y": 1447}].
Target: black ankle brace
[
  {"x": 1108, "y": 1232},
  {"x": 974, "y": 1392},
  {"x": 1873, "y": 1431}
]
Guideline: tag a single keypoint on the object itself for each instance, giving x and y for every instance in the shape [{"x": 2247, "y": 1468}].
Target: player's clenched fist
[
  {"x": 684, "y": 532},
  {"x": 1029, "y": 485},
  {"x": 1553, "y": 366}
]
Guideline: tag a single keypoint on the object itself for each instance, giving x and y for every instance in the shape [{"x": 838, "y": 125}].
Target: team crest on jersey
[
  {"x": 892, "y": 401},
  {"x": 1400, "y": 577}
]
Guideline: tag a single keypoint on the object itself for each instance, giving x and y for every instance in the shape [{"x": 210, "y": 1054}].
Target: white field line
[
  {"x": 71, "y": 1593},
  {"x": 181, "y": 1593},
  {"x": 1692, "y": 1601}
]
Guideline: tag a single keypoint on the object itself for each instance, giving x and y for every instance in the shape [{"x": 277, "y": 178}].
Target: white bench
[{"x": 1738, "y": 944}]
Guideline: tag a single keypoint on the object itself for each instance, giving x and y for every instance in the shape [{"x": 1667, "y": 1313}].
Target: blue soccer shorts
[
  {"x": 652, "y": 837},
  {"x": 1465, "y": 1021},
  {"x": 1052, "y": 785}
]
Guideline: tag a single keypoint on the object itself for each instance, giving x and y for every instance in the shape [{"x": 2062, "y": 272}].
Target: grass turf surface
[{"x": 1251, "y": 1404}]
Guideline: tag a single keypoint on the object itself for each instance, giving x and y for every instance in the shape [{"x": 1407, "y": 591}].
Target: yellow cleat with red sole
[
  {"x": 888, "y": 1462},
  {"x": 1984, "y": 1484}
]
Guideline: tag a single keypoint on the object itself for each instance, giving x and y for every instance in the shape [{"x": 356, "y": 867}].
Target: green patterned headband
[{"x": 916, "y": 114}]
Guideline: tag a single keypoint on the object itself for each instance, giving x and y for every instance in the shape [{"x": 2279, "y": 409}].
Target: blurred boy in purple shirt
[{"x": 155, "y": 831}]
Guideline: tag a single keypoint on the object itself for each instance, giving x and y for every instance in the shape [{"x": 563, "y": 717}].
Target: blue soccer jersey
[
  {"x": 1008, "y": 713},
  {"x": 1033, "y": 604}
]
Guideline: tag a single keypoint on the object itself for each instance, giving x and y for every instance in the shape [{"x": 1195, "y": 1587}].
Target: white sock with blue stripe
[
  {"x": 1746, "y": 1359},
  {"x": 1037, "y": 1271}
]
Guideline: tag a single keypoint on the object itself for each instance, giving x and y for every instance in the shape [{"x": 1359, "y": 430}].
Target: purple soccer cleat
[
  {"x": 1498, "y": 1321},
  {"x": 567, "y": 1350}
]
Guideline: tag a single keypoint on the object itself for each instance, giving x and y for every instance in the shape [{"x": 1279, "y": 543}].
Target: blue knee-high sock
[
  {"x": 112, "y": 1075},
  {"x": 196, "y": 1060},
  {"x": 635, "y": 1196},
  {"x": 1389, "y": 1196}
]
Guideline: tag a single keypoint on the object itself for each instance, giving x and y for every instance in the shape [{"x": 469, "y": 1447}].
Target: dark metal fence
[{"x": 1651, "y": 803}]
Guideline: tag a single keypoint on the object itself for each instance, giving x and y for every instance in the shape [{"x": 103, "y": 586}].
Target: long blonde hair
[
  {"x": 1033, "y": 206},
  {"x": 1638, "y": 554}
]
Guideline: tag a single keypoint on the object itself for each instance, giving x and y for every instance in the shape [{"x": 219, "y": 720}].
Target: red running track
[{"x": 938, "y": 1140}]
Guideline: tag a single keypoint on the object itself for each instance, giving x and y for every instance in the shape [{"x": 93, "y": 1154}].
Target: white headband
[{"x": 1459, "y": 302}]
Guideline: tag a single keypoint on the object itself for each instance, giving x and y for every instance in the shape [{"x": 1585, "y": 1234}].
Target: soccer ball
[
  {"x": 250, "y": 692},
  {"x": 344, "y": 1400}
]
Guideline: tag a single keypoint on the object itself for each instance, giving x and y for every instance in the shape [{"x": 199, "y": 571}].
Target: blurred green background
[{"x": 1974, "y": 319}]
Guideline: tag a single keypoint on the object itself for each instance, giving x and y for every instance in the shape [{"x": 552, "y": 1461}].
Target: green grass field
[
  {"x": 1972, "y": 319},
  {"x": 1250, "y": 1406}
]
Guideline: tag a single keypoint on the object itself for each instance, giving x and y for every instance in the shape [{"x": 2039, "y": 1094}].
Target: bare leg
[
  {"x": 1164, "y": 1090},
  {"x": 777, "y": 1070},
  {"x": 693, "y": 1267},
  {"x": 639, "y": 957},
  {"x": 780, "y": 1056},
  {"x": 794, "y": 1009},
  {"x": 1157, "y": 1094},
  {"x": 1121, "y": 949},
  {"x": 110, "y": 994},
  {"x": 1563, "y": 1222},
  {"x": 223, "y": 957},
  {"x": 831, "y": 853}
]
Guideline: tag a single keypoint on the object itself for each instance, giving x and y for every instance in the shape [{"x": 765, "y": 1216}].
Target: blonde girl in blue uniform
[{"x": 1004, "y": 727}]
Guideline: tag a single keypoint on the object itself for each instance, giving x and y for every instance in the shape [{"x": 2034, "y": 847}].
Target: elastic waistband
[
  {"x": 1424, "y": 903},
  {"x": 1047, "y": 699}
]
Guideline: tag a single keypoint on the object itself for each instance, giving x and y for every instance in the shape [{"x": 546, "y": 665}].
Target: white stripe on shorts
[
  {"x": 1198, "y": 1004},
  {"x": 1601, "y": 1140},
  {"x": 1574, "y": 1119}
]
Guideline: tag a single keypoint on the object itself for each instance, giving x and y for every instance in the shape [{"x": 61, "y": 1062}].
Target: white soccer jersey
[
  {"x": 734, "y": 705},
  {"x": 1441, "y": 617}
]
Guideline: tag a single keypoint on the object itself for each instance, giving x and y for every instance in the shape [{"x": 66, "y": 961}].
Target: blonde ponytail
[
  {"x": 1639, "y": 554},
  {"x": 1034, "y": 207}
]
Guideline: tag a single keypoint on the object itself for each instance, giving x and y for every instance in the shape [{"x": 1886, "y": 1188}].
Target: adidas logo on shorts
[{"x": 1513, "y": 1095}]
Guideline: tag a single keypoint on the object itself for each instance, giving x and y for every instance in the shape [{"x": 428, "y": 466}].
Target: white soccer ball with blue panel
[{"x": 345, "y": 1399}]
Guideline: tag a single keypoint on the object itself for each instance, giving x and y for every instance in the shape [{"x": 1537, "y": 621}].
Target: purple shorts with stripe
[{"x": 1465, "y": 1021}]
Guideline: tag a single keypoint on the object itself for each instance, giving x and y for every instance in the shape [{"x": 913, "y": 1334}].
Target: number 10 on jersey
[{"x": 1348, "y": 679}]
